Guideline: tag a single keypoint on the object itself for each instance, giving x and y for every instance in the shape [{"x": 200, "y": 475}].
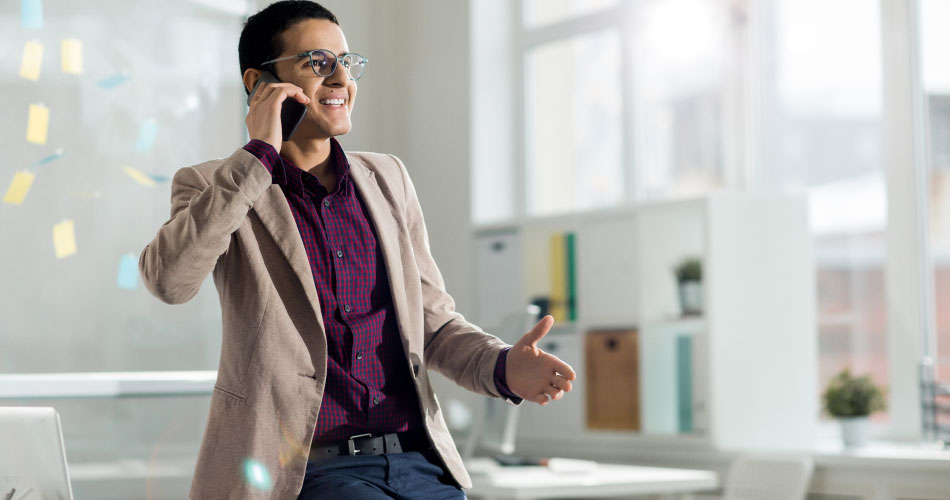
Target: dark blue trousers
[{"x": 413, "y": 475}]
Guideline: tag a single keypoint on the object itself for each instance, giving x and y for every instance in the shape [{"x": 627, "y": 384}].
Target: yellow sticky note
[
  {"x": 32, "y": 59},
  {"x": 38, "y": 125},
  {"x": 64, "y": 239},
  {"x": 139, "y": 177},
  {"x": 71, "y": 53},
  {"x": 18, "y": 188}
]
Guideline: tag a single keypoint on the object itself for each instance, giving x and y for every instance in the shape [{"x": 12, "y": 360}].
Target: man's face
[{"x": 322, "y": 120}]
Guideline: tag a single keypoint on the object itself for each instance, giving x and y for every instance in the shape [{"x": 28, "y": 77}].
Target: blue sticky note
[
  {"x": 128, "y": 278},
  {"x": 147, "y": 134},
  {"x": 56, "y": 154},
  {"x": 114, "y": 80},
  {"x": 31, "y": 14}
]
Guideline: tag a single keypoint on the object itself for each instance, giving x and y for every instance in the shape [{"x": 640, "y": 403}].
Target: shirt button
[
  {"x": 326, "y": 203},
  {"x": 339, "y": 253},
  {"x": 376, "y": 400},
  {"x": 359, "y": 355},
  {"x": 346, "y": 308}
]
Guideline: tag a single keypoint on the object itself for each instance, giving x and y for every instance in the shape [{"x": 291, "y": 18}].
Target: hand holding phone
[{"x": 276, "y": 112}]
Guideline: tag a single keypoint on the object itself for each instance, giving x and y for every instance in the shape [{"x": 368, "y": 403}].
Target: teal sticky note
[
  {"x": 128, "y": 278},
  {"x": 31, "y": 14},
  {"x": 147, "y": 133},
  {"x": 114, "y": 80},
  {"x": 56, "y": 154}
]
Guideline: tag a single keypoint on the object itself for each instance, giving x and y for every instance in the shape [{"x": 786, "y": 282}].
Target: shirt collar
[{"x": 301, "y": 182}]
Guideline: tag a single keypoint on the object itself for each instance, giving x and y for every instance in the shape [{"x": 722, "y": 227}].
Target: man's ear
[{"x": 251, "y": 75}]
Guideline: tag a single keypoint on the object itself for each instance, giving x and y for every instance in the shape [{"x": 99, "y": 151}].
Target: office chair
[{"x": 769, "y": 477}]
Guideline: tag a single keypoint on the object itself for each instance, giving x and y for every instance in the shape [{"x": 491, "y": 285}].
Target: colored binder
[
  {"x": 684, "y": 382},
  {"x": 558, "y": 279},
  {"x": 571, "y": 277},
  {"x": 563, "y": 277}
]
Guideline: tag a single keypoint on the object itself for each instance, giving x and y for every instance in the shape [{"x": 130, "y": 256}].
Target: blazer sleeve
[
  {"x": 453, "y": 346},
  {"x": 204, "y": 213}
]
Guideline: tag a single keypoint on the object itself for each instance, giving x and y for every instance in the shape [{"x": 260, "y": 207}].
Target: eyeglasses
[{"x": 324, "y": 63}]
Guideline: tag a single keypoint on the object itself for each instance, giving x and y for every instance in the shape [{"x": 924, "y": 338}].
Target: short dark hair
[{"x": 261, "y": 37}]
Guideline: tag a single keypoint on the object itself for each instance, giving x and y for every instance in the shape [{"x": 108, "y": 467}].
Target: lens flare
[{"x": 257, "y": 475}]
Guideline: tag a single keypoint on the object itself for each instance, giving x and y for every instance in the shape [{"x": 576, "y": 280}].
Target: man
[{"x": 333, "y": 308}]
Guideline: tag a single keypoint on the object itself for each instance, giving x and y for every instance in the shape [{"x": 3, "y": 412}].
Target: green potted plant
[
  {"x": 851, "y": 400},
  {"x": 689, "y": 278}
]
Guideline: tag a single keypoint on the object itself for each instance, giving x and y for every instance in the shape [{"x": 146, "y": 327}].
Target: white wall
[{"x": 424, "y": 112}]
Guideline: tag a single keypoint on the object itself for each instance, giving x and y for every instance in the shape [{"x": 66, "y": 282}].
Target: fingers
[
  {"x": 292, "y": 91},
  {"x": 560, "y": 368},
  {"x": 281, "y": 90},
  {"x": 539, "y": 331},
  {"x": 563, "y": 383},
  {"x": 564, "y": 370},
  {"x": 300, "y": 96},
  {"x": 554, "y": 393},
  {"x": 265, "y": 91}
]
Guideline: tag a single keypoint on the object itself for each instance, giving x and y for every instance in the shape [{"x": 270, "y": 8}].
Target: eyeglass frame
[{"x": 309, "y": 54}]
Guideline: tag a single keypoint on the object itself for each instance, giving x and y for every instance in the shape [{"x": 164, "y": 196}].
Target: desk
[{"x": 491, "y": 481}]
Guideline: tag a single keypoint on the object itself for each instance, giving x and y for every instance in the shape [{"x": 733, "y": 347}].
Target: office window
[
  {"x": 935, "y": 85},
  {"x": 573, "y": 124},
  {"x": 822, "y": 126},
  {"x": 679, "y": 53},
  {"x": 542, "y": 12},
  {"x": 640, "y": 118}
]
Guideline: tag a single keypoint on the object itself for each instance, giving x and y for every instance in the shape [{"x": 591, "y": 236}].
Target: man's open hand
[{"x": 533, "y": 374}]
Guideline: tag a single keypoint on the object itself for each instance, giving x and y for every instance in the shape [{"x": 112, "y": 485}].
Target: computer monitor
[{"x": 32, "y": 455}]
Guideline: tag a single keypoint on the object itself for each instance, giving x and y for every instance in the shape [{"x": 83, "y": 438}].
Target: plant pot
[
  {"x": 691, "y": 297},
  {"x": 854, "y": 431}
]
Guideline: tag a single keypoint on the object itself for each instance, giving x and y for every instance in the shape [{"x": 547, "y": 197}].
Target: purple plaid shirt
[{"x": 368, "y": 387}]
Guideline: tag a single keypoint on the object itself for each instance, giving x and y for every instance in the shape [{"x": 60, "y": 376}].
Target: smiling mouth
[{"x": 333, "y": 103}]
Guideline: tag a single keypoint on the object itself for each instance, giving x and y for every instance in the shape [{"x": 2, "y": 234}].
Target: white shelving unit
[{"x": 755, "y": 350}]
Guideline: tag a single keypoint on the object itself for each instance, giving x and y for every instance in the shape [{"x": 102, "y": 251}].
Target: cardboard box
[{"x": 612, "y": 380}]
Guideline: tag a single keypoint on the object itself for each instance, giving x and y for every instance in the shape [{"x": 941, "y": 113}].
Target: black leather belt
[{"x": 367, "y": 444}]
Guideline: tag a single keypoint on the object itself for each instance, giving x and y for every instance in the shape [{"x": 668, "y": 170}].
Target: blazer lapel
[
  {"x": 274, "y": 212},
  {"x": 387, "y": 232}
]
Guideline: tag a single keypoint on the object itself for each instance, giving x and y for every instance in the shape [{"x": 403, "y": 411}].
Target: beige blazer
[{"x": 228, "y": 219}]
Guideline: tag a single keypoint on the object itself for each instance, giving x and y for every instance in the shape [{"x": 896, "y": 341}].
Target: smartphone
[{"x": 291, "y": 112}]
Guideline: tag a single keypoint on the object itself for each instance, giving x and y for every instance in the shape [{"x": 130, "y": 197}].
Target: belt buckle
[{"x": 352, "y": 446}]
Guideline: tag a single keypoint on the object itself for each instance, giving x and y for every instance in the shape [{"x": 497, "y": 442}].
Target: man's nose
[{"x": 339, "y": 77}]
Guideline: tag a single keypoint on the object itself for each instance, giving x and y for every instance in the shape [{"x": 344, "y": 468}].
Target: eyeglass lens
[{"x": 324, "y": 63}]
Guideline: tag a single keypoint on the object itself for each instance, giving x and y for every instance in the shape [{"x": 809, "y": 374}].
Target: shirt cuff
[
  {"x": 264, "y": 152},
  {"x": 500, "y": 379}
]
